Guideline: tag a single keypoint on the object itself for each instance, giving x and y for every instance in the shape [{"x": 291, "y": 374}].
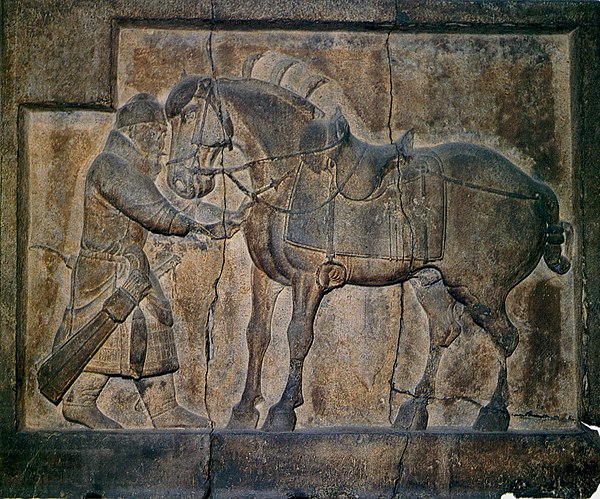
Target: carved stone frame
[{"x": 62, "y": 55}]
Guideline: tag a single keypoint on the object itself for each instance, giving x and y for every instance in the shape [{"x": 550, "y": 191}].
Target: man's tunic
[{"x": 122, "y": 204}]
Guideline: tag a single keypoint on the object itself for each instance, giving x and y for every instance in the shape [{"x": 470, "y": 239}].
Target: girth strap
[{"x": 330, "y": 250}]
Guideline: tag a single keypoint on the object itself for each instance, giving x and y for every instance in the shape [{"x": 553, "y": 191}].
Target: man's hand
[
  {"x": 217, "y": 230},
  {"x": 225, "y": 229}
]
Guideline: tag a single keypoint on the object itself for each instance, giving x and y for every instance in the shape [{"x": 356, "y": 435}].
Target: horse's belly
[
  {"x": 359, "y": 271},
  {"x": 376, "y": 271}
]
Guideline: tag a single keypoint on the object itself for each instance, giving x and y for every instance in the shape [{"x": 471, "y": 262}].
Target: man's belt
[{"x": 102, "y": 255}]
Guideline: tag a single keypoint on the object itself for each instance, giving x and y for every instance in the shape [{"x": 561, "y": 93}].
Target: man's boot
[
  {"x": 79, "y": 405},
  {"x": 158, "y": 393}
]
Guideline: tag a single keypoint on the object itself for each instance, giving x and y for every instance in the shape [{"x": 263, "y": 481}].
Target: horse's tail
[{"x": 555, "y": 234}]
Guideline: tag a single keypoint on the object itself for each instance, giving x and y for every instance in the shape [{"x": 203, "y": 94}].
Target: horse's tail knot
[{"x": 556, "y": 230}]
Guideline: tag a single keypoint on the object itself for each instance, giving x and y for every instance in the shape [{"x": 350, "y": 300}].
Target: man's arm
[{"x": 136, "y": 196}]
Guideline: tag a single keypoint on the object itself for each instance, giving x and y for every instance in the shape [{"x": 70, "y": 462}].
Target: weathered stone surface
[
  {"x": 360, "y": 393},
  {"x": 307, "y": 464},
  {"x": 378, "y": 12},
  {"x": 401, "y": 253},
  {"x": 398, "y": 464},
  {"x": 105, "y": 464}
]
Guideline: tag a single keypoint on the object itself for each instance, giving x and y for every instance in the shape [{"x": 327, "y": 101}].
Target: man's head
[{"x": 143, "y": 120}]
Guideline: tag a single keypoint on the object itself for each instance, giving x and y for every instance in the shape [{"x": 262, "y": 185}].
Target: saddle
[
  {"x": 369, "y": 201},
  {"x": 360, "y": 166}
]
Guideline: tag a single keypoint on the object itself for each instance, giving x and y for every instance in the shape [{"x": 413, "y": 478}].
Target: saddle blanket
[{"x": 401, "y": 221}]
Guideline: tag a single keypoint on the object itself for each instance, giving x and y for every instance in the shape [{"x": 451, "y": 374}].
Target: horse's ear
[
  {"x": 341, "y": 123},
  {"x": 405, "y": 144},
  {"x": 408, "y": 139},
  {"x": 183, "y": 73}
]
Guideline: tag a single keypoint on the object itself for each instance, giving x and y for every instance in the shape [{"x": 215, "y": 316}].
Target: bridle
[{"x": 210, "y": 94}]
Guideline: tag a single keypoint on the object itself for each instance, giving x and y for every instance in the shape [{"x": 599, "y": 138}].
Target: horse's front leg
[
  {"x": 306, "y": 296},
  {"x": 258, "y": 336}
]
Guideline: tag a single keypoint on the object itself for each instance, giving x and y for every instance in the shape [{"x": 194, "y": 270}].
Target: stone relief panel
[{"x": 400, "y": 207}]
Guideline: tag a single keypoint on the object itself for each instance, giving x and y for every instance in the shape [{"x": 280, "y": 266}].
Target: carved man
[{"x": 122, "y": 204}]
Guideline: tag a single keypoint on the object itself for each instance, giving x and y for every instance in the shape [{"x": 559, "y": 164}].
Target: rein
[
  {"x": 184, "y": 158},
  {"x": 490, "y": 190},
  {"x": 254, "y": 195},
  {"x": 210, "y": 91},
  {"x": 250, "y": 164}
]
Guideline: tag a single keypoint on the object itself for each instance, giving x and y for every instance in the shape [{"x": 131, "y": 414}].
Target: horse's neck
[
  {"x": 273, "y": 115},
  {"x": 271, "y": 119},
  {"x": 361, "y": 166}
]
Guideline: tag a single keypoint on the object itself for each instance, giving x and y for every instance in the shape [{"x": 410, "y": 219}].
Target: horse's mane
[
  {"x": 273, "y": 115},
  {"x": 283, "y": 94},
  {"x": 192, "y": 85}
]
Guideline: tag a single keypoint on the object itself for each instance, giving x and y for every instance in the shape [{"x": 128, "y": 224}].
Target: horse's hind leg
[
  {"x": 258, "y": 336},
  {"x": 442, "y": 313},
  {"x": 494, "y": 416},
  {"x": 413, "y": 414},
  {"x": 494, "y": 320},
  {"x": 306, "y": 296}
]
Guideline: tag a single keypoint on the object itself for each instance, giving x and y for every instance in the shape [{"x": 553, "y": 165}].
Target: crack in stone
[
  {"x": 530, "y": 414},
  {"x": 393, "y": 388},
  {"x": 400, "y": 469},
  {"x": 391, "y": 83},
  {"x": 208, "y": 348},
  {"x": 586, "y": 302},
  {"x": 210, "y": 323},
  {"x": 441, "y": 399},
  {"x": 36, "y": 485},
  {"x": 389, "y": 125},
  {"x": 23, "y": 473},
  {"x": 456, "y": 399},
  {"x": 399, "y": 153},
  {"x": 210, "y": 319}
]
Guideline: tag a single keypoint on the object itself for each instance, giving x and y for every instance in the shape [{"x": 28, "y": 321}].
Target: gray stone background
[
  {"x": 61, "y": 56},
  {"x": 484, "y": 89}
]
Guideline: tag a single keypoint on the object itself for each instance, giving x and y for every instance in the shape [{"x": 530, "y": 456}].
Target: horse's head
[
  {"x": 200, "y": 129},
  {"x": 320, "y": 139}
]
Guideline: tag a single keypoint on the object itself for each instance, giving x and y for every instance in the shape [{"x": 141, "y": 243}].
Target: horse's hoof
[
  {"x": 412, "y": 415},
  {"x": 280, "y": 420},
  {"x": 492, "y": 418},
  {"x": 243, "y": 419}
]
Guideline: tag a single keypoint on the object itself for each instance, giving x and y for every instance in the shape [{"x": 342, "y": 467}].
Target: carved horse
[{"x": 500, "y": 223}]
